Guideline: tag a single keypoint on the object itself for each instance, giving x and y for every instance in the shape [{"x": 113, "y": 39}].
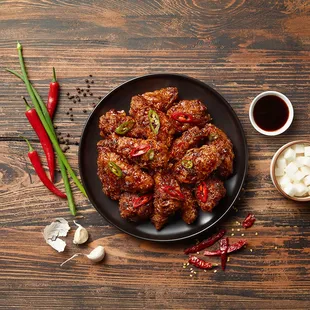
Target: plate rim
[{"x": 154, "y": 75}]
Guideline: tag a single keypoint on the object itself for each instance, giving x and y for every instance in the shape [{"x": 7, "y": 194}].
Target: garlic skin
[
  {"x": 80, "y": 235},
  {"x": 97, "y": 254}
]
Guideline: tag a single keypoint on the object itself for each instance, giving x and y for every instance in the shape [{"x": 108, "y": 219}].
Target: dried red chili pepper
[
  {"x": 183, "y": 117},
  {"x": 249, "y": 221},
  {"x": 37, "y": 165},
  {"x": 202, "y": 191},
  {"x": 223, "y": 249},
  {"x": 53, "y": 95},
  {"x": 140, "y": 150},
  {"x": 206, "y": 243},
  {"x": 37, "y": 126},
  {"x": 173, "y": 192},
  {"x": 141, "y": 200},
  {"x": 199, "y": 263},
  {"x": 231, "y": 248}
]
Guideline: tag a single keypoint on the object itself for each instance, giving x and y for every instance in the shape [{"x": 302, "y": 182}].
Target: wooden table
[{"x": 240, "y": 48}]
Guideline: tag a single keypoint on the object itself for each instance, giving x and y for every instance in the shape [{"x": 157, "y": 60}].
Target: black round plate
[{"x": 223, "y": 116}]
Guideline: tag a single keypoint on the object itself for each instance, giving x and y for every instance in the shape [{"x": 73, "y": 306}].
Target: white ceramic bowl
[
  {"x": 273, "y": 166},
  {"x": 290, "y": 116}
]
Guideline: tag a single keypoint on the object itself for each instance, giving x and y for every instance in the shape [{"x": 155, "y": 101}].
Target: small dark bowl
[{"x": 223, "y": 116}]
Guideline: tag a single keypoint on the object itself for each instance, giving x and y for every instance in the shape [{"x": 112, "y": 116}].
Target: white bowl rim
[{"x": 288, "y": 122}]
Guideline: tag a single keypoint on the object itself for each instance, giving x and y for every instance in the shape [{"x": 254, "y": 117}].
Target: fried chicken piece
[
  {"x": 224, "y": 146},
  {"x": 126, "y": 177},
  {"x": 155, "y": 153},
  {"x": 161, "y": 99},
  {"x": 215, "y": 192},
  {"x": 194, "y": 109},
  {"x": 139, "y": 110},
  {"x": 189, "y": 211},
  {"x": 189, "y": 139},
  {"x": 197, "y": 164},
  {"x": 112, "y": 119},
  {"x": 134, "y": 214},
  {"x": 164, "y": 203}
]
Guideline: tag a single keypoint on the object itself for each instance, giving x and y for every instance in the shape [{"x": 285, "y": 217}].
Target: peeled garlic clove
[
  {"x": 97, "y": 254},
  {"x": 80, "y": 235}
]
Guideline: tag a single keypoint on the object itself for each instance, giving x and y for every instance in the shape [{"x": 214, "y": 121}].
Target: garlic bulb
[
  {"x": 80, "y": 235},
  {"x": 97, "y": 254}
]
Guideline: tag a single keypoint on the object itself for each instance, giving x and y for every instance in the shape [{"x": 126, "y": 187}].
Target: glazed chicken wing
[
  {"x": 145, "y": 153},
  {"x": 187, "y": 114},
  {"x": 113, "y": 120},
  {"x": 189, "y": 139},
  {"x": 167, "y": 198},
  {"x": 189, "y": 211},
  {"x": 161, "y": 99},
  {"x": 224, "y": 146},
  {"x": 132, "y": 208},
  {"x": 209, "y": 193},
  {"x": 118, "y": 175},
  {"x": 197, "y": 164},
  {"x": 142, "y": 113}
]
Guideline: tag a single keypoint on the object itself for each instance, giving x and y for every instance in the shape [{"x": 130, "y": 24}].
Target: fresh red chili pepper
[
  {"x": 140, "y": 150},
  {"x": 202, "y": 191},
  {"x": 231, "y": 248},
  {"x": 249, "y": 221},
  {"x": 37, "y": 165},
  {"x": 199, "y": 263},
  {"x": 52, "y": 99},
  {"x": 206, "y": 243},
  {"x": 141, "y": 200},
  {"x": 224, "y": 249},
  {"x": 173, "y": 192},
  {"x": 37, "y": 126},
  {"x": 183, "y": 117}
]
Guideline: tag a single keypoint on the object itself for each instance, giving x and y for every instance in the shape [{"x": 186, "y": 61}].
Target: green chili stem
[
  {"x": 54, "y": 80},
  {"x": 47, "y": 123}
]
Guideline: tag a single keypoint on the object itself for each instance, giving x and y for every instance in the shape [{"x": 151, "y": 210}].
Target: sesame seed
[
  {"x": 242, "y": 235},
  {"x": 192, "y": 271},
  {"x": 232, "y": 234},
  {"x": 205, "y": 270},
  {"x": 197, "y": 252},
  {"x": 187, "y": 264},
  {"x": 215, "y": 271},
  {"x": 190, "y": 275},
  {"x": 238, "y": 229},
  {"x": 228, "y": 259},
  {"x": 256, "y": 233},
  {"x": 216, "y": 264},
  {"x": 232, "y": 229},
  {"x": 184, "y": 266},
  {"x": 275, "y": 247},
  {"x": 195, "y": 272},
  {"x": 251, "y": 250},
  {"x": 191, "y": 268}
]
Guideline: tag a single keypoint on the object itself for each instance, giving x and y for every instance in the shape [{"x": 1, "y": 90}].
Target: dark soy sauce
[{"x": 270, "y": 113}]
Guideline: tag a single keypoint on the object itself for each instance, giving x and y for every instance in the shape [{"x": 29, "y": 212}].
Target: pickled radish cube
[
  {"x": 290, "y": 189},
  {"x": 305, "y": 170},
  {"x": 281, "y": 163},
  {"x": 299, "y": 161},
  {"x": 307, "y": 151},
  {"x": 291, "y": 169},
  {"x": 289, "y": 154},
  {"x": 298, "y": 176},
  {"x": 299, "y": 148},
  {"x": 301, "y": 189},
  {"x": 279, "y": 172},
  {"x": 307, "y": 180},
  {"x": 306, "y": 161},
  {"x": 284, "y": 181}
]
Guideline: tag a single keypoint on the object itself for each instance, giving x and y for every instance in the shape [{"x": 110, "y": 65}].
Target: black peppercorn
[
  {"x": 90, "y": 75},
  {"x": 84, "y": 111},
  {"x": 76, "y": 143},
  {"x": 87, "y": 90},
  {"x": 79, "y": 100},
  {"x": 68, "y": 135},
  {"x": 86, "y": 81},
  {"x": 68, "y": 94},
  {"x": 92, "y": 81},
  {"x": 70, "y": 109},
  {"x": 90, "y": 94},
  {"x": 88, "y": 86},
  {"x": 67, "y": 113},
  {"x": 84, "y": 94}
]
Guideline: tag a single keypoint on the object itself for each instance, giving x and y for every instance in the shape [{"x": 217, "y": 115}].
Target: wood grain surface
[{"x": 240, "y": 48}]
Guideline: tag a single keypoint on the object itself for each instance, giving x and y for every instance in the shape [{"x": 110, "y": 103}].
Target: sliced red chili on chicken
[
  {"x": 183, "y": 117},
  {"x": 202, "y": 191},
  {"x": 141, "y": 200},
  {"x": 140, "y": 150},
  {"x": 173, "y": 192}
]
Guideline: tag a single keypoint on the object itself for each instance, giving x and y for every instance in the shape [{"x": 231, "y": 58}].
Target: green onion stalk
[{"x": 48, "y": 125}]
